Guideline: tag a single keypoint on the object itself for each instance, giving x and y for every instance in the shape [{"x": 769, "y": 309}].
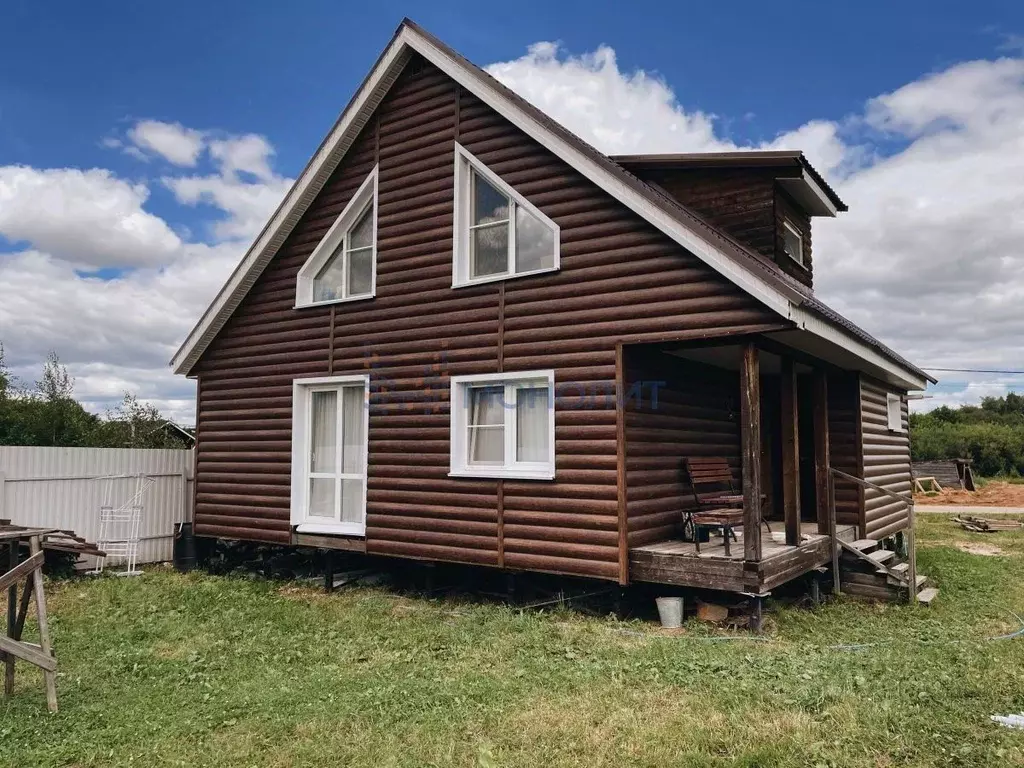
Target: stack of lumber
[
  {"x": 949, "y": 473},
  {"x": 984, "y": 525},
  {"x": 54, "y": 539}
]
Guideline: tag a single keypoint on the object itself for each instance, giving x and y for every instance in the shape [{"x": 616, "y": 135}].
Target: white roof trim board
[{"x": 777, "y": 296}]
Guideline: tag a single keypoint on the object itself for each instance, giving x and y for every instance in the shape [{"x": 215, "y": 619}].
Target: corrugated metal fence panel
[{"x": 65, "y": 487}]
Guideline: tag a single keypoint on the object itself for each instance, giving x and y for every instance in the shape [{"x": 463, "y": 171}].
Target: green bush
[{"x": 991, "y": 435}]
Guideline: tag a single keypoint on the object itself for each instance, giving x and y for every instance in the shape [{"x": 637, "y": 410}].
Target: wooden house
[{"x": 468, "y": 336}]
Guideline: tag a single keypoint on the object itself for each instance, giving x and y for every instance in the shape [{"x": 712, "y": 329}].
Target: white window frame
[
  {"x": 799, "y": 238},
  {"x": 460, "y": 465},
  {"x": 894, "y": 412},
  {"x": 465, "y": 165},
  {"x": 365, "y": 197},
  {"x": 301, "y": 434}
]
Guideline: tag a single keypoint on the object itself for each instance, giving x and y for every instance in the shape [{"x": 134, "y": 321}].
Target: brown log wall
[
  {"x": 844, "y": 445},
  {"x": 746, "y": 203},
  {"x": 619, "y": 280},
  {"x": 886, "y": 461},
  {"x": 674, "y": 409}
]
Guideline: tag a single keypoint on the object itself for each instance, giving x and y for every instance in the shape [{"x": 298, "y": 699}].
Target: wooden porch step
[
  {"x": 900, "y": 569},
  {"x": 882, "y": 555},
  {"x": 925, "y": 596},
  {"x": 865, "y": 545}
]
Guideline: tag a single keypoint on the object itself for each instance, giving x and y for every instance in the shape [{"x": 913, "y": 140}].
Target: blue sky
[
  {"x": 75, "y": 74},
  {"x": 70, "y": 72}
]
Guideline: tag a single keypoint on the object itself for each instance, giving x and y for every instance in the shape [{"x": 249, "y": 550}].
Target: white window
[
  {"x": 792, "y": 242},
  {"x": 503, "y": 425},
  {"x": 329, "y": 441},
  {"x": 498, "y": 233},
  {"x": 343, "y": 266},
  {"x": 894, "y": 411}
]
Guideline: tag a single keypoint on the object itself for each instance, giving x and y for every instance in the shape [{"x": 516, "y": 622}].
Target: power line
[{"x": 973, "y": 370}]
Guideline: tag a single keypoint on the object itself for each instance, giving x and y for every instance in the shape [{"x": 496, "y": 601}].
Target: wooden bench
[{"x": 718, "y": 504}]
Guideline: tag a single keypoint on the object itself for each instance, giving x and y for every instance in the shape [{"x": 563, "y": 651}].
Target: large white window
[
  {"x": 329, "y": 441},
  {"x": 894, "y": 412},
  {"x": 503, "y": 425},
  {"x": 343, "y": 266},
  {"x": 498, "y": 233}
]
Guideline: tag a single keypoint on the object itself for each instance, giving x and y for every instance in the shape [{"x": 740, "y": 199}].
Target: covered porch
[
  {"x": 779, "y": 418},
  {"x": 677, "y": 562}
]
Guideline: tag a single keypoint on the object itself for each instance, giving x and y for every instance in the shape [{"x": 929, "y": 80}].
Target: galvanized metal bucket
[{"x": 670, "y": 611}]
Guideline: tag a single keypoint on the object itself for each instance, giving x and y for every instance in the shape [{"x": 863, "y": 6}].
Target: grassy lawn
[{"x": 210, "y": 671}]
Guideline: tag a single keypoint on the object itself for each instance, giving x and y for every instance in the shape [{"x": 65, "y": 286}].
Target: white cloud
[
  {"x": 172, "y": 141},
  {"x": 243, "y": 154},
  {"x": 246, "y": 189},
  {"x": 90, "y": 218},
  {"x": 118, "y": 334},
  {"x": 619, "y": 113},
  {"x": 929, "y": 258}
]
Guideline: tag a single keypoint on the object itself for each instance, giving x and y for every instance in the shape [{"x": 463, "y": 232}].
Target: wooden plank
[
  {"x": 832, "y": 532},
  {"x": 10, "y": 579},
  {"x": 790, "y": 452},
  {"x": 49, "y": 676},
  {"x": 12, "y": 617},
  {"x": 28, "y": 652},
  {"x": 821, "y": 448},
  {"x": 882, "y": 555},
  {"x": 352, "y": 544},
  {"x": 26, "y": 598},
  {"x": 912, "y": 558},
  {"x": 750, "y": 436},
  {"x": 620, "y": 464}
]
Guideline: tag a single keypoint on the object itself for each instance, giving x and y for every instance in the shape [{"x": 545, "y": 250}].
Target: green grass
[{"x": 209, "y": 671}]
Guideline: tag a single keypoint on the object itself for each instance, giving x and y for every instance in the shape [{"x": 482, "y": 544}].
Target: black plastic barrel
[{"x": 184, "y": 548}]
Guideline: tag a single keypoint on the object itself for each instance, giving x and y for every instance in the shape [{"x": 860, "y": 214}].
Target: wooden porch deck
[{"x": 677, "y": 562}]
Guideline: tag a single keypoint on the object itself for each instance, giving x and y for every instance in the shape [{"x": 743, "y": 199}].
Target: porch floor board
[{"x": 677, "y": 562}]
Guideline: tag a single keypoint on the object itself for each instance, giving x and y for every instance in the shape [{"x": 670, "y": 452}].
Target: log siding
[
  {"x": 621, "y": 281},
  {"x": 886, "y": 461}
]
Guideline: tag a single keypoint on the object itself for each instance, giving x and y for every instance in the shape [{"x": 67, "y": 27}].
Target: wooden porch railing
[{"x": 911, "y": 543}]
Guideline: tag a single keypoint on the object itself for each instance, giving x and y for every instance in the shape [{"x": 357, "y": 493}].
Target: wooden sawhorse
[{"x": 12, "y": 647}]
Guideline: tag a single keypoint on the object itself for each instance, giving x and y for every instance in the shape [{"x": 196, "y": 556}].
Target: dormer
[{"x": 764, "y": 200}]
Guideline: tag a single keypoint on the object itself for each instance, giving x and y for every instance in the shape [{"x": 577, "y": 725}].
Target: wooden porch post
[
  {"x": 821, "y": 451},
  {"x": 790, "y": 452},
  {"x": 750, "y": 436}
]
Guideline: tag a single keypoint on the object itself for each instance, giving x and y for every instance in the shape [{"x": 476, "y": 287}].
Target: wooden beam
[
  {"x": 12, "y": 615},
  {"x": 26, "y": 597},
  {"x": 49, "y": 675},
  {"x": 819, "y": 394},
  {"x": 790, "y": 452},
  {"x": 29, "y": 653},
  {"x": 620, "y": 463},
  {"x": 16, "y": 574},
  {"x": 750, "y": 433},
  {"x": 349, "y": 543}
]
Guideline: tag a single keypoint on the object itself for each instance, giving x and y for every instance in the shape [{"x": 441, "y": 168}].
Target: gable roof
[{"x": 749, "y": 271}]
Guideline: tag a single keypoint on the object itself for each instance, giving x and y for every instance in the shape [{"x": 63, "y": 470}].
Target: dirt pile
[{"x": 993, "y": 494}]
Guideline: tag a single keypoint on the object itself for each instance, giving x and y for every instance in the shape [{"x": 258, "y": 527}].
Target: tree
[
  {"x": 58, "y": 418},
  {"x": 134, "y": 424},
  {"x": 6, "y": 380}
]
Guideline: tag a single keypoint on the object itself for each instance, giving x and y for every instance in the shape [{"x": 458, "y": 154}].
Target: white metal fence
[{"x": 65, "y": 488}]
